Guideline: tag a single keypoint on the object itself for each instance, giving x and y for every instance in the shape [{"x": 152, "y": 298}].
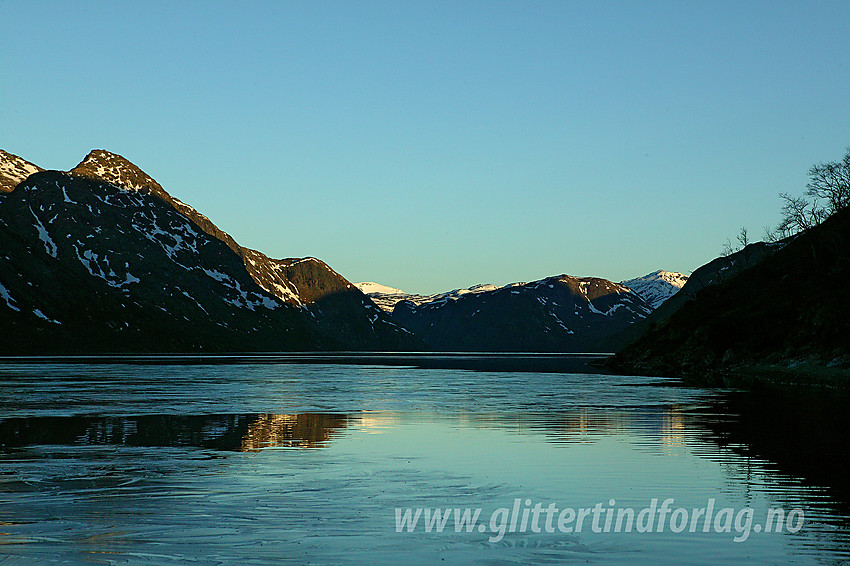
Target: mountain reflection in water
[
  {"x": 254, "y": 432},
  {"x": 207, "y": 463},
  {"x": 242, "y": 433}
]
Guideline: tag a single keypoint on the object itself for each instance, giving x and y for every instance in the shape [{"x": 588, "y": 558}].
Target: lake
[{"x": 323, "y": 459}]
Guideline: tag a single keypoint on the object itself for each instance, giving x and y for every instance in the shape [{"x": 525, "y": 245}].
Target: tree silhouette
[
  {"x": 830, "y": 184},
  {"x": 827, "y": 192}
]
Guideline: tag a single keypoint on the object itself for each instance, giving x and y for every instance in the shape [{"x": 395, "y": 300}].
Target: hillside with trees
[{"x": 784, "y": 318}]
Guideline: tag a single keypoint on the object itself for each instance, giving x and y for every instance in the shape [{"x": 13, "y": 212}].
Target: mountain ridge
[
  {"x": 556, "y": 314},
  {"x": 332, "y": 312},
  {"x": 655, "y": 288}
]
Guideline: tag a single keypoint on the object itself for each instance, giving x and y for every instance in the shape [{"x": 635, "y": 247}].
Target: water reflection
[
  {"x": 805, "y": 439},
  {"x": 305, "y": 430},
  {"x": 800, "y": 438},
  {"x": 243, "y": 432},
  {"x": 665, "y": 426},
  {"x": 253, "y": 432},
  {"x": 802, "y": 433}
]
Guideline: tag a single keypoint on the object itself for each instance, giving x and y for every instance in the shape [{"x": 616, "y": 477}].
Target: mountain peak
[
  {"x": 658, "y": 286},
  {"x": 13, "y": 170},
  {"x": 117, "y": 170},
  {"x": 370, "y": 287}
]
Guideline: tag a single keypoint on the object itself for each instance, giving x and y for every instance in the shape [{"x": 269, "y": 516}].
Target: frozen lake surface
[{"x": 273, "y": 460}]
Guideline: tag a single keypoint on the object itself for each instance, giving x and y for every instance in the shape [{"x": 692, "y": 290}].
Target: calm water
[{"x": 255, "y": 463}]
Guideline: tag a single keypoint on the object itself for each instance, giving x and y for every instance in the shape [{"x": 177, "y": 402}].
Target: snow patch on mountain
[
  {"x": 43, "y": 316},
  {"x": 387, "y": 297},
  {"x": 49, "y": 244},
  {"x": 658, "y": 286},
  {"x": 6, "y": 296}
]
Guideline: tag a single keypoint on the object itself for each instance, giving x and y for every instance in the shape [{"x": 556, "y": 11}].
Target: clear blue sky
[{"x": 435, "y": 145}]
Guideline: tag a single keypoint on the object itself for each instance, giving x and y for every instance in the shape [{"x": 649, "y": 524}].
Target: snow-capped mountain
[
  {"x": 388, "y": 297},
  {"x": 370, "y": 288},
  {"x": 658, "y": 286},
  {"x": 383, "y": 296},
  {"x": 13, "y": 170},
  {"x": 102, "y": 258},
  {"x": 556, "y": 314}
]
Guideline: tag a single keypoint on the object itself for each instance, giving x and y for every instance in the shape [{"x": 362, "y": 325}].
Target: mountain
[
  {"x": 369, "y": 288},
  {"x": 102, "y": 258},
  {"x": 13, "y": 170},
  {"x": 769, "y": 312},
  {"x": 383, "y": 296},
  {"x": 388, "y": 297},
  {"x": 556, "y": 314},
  {"x": 658, "y": 286}
]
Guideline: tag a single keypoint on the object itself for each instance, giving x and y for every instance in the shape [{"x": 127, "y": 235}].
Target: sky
[{"x": 436, "y": 145}]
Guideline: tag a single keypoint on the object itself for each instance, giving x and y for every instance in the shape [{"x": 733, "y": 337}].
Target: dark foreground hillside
[{"x": 784, "y": 319}]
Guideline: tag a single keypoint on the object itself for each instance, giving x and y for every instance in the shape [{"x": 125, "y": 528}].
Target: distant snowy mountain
[
  {"x": 658, "y": 286},
  {"x": 385, "y": 297},
  {"x": 370, "y": 288},
  {"x": 388, "y": 297}
]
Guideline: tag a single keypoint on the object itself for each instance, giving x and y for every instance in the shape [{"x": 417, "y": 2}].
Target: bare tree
[
  {"x": 771, "y": 235},
  {"x": 743, "y": 238},
  {"x": 827, "y": 192},
  {"x": 830, "y": 184},
  {"x": 799, "y": 213},
  {"x": 727, "y": 250}
]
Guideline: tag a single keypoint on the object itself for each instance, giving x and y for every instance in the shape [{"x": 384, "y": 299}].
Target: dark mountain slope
[
  {"x": 787, "y": 314},
  {"x": 715, "y": 272},
  {"x": 557, "y": 314}
]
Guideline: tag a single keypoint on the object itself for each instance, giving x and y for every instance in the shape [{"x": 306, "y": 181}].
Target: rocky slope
[
  {"x": 658, "y": 286},
  {"x": 556, "y": 314},
  {"x": 775, "y": 311},
  {"x": 102, "y": 258}
]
